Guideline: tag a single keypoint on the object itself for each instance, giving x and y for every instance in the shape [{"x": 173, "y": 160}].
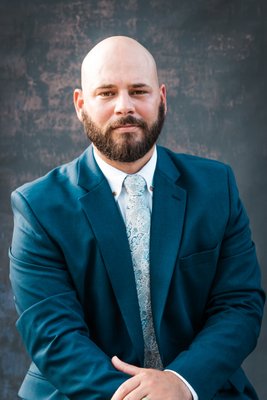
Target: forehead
[
  {"x": 122, "y": 74},
  {"x": 119, "y": 67}
]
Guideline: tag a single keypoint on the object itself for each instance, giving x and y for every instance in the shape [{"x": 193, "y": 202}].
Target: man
[{"x": 114, "y": 305}]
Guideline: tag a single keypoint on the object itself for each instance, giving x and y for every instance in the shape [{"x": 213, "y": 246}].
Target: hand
[{"x": 150, "y": 383}]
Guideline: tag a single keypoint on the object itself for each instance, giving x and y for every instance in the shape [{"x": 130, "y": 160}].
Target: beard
[{"x": 130, "y": 146}]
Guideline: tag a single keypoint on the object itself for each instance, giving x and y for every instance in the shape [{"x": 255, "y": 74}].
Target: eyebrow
[
  {"x": 105, "y": 87},
  {"x": 138, "y": 85},
  {"x": 134, "y": 85}
]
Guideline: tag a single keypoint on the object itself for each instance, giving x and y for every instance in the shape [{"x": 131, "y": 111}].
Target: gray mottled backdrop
[{"x": 212, "y": 56}]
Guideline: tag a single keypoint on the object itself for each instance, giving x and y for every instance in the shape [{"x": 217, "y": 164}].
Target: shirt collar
[{"x": 115, "y": 177}]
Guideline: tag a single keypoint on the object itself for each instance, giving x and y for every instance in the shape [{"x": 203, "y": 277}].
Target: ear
[
  {"x": 163, "y": 96},
  {"x": 78, "y": 102}
]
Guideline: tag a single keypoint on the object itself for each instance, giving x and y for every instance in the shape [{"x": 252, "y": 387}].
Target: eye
[
  {"x": 108, "y": 93},
  {"x": 138, "y": 92}
]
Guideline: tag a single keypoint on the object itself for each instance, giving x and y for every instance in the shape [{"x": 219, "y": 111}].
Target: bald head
[{"x": 117, "y": 54}]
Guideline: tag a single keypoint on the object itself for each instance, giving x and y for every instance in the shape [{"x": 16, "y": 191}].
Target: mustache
[{"x": 129, "y": 120}]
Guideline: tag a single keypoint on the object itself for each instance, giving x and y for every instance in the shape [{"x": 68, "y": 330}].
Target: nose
[{"x": 124, "y": 104}]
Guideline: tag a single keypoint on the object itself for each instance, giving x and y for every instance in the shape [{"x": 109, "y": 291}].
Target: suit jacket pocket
[{"x": 200, "y": 259}]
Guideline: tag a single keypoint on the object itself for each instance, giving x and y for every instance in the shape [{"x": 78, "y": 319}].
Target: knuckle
[{"x": 150, "y": 382}]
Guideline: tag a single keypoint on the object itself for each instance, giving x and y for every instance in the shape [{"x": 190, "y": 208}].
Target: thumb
[{"x": 125, "y": 367}]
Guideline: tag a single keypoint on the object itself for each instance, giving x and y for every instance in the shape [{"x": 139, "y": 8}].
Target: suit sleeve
[
  {"x": 51, "y": 320},
  {"x": 233, "y": 312}
]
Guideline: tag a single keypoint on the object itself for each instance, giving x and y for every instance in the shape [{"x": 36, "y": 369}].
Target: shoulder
[
  {"x": 193, "y": 167},
  {"x": 191, "y": 162},
  {"x": 57, "y": 183},
  {"x": 198, "y": 175}
]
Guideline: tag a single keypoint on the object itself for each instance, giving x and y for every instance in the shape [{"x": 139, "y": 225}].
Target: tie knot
[{"x": 135, "y": 185}]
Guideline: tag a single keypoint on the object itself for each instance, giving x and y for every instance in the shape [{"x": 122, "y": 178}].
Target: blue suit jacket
[{"x": 75, "y": 291}]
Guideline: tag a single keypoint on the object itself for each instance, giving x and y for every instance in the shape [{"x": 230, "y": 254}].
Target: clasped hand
[{"x": 149, "y": 383}]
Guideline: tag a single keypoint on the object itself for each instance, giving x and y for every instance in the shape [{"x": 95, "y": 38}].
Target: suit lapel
[
  {"x": 169, "y": 202},
  {"x": 109, "y": 229}
]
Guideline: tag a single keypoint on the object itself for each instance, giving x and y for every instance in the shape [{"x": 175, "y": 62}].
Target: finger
[
  {"x": 125, "y": 367},
  {"x": 135, "y": 394},
  {"x": 126, "y": 388}
]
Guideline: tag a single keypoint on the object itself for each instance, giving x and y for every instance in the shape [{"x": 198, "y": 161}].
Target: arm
[
  {"x": 233, "y": 312},
  {"x": 51, "y": 320}
]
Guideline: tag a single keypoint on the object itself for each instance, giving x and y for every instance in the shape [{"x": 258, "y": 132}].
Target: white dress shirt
[{"x": 115, "y": 178}]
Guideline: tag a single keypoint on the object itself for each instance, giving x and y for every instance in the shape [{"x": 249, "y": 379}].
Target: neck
[{"x": 128, "y": 167}]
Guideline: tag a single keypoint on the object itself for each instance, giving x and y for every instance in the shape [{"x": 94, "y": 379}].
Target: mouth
[{"x": 125, "y": 127}]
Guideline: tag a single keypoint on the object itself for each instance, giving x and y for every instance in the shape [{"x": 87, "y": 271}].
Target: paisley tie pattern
[{"x": 137, "y": 219}]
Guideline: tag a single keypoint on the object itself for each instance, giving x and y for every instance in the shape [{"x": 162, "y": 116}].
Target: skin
[{"x": 119, "y": 78}]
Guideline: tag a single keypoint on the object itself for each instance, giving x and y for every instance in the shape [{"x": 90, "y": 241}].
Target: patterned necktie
[{"x": 137, "y": 219}]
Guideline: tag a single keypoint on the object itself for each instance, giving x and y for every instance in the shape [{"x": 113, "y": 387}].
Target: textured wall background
[{"x": 212, "y": 56}]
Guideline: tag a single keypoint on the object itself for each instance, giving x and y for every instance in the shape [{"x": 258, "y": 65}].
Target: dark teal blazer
[{"x": 74, "y": 286}]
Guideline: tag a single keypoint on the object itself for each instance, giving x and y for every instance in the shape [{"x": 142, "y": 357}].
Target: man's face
[
  {"x": 121, "y": 104},
  {"x": 130, "y": 146}
]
